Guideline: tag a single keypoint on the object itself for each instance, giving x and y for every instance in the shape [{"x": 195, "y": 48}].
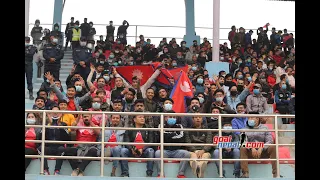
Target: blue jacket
[
  {"x": 248, "y": 38},
  {"x": 239, "y": 98},
  {"x": 281, "y": 96},
  {"x": 81, "y": 54},
  {"x": 199, "y": 88},
  {"x": 239, "y": 123},
  {"x": 107, "y": 135}
]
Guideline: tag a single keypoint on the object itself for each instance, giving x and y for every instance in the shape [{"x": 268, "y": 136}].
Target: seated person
[
  {"x": 240, "y": 122},
  {"x": 88, "y": 150},
  {"x": 112, "y": 150},
  {"x": 31, "y": 134},
  {"x": 96, "y": 106},
  {"x": 173, "y": 151},
  {"x": 138, "y": 136},
  {"x": 198, "y": 152},
  {"x": 256, "y": 102},
  {"x": 229, "y": 153},
  {"x": 265, "y": 152},
  {"x": 47, "y": 102}
]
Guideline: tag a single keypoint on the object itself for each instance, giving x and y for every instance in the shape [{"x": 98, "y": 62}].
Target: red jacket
[
  {"x": 277, "y": 59},
  {"x": 121, "y": 47}
]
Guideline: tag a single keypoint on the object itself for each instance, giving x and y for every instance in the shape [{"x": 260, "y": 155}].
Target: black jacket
[
  {"x": 55, "y": 134},
  {"x": 53, "y": 51},
  {"x": 172, "y": 136},
  {"x": 130, "y": 136},
  {"x": 116, "y": 93},
  {"x": 199, "y": 137}
]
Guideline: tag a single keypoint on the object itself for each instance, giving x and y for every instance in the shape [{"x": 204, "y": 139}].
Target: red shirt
[
  {"x": 139, "y": 139},
  {"x": 87, "y": 135},
  {"x": 71, "y": 105},
  {"x": 113, "y": 138},
  {"x": 30, "y": 135}
]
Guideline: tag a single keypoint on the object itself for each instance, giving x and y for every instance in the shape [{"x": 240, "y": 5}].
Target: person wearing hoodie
[
  {"x": 232, "y": 153},
  {"x": 257, "y": 153},
  {"x": 173, "y": 151},
  {"x": 112, "y": 150},
  {"x": 138, "y": 136},
  {"x": 194, "y": 107},
  {"x": 81, "y": 58},
  {"x": 31, "y": 133},
  {"x": 57, "y": 33},
  {"x": 198, "y": 152},
  {"x": 239, "y": 122}
]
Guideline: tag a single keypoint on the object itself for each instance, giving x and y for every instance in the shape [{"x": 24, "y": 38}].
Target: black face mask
[
  {"x": 227, "y": 83},
  {"x": 240, "y": 88},
  {"x": 86, "y": 122},
  {"x": 233, "y": 93}
]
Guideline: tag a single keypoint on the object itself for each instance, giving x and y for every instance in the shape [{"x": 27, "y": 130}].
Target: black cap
[
  {"x": 102, "y": 56},
  {"x": 27, "y": 38},
  {"x": 117, "y": 101},
  {"x": 133, "y": 91},
  {"x": 138, "y": 101},
  {"x": 77, "y": 23},
  {"x": 72, "y": 17},
  {"x": 168, "y": 99},
  {"x": 55, "y": 25},
  {"x": 226, "y": 121},
  {"x": 83, "y": 38},
  {"x": 110, "y": 21}
]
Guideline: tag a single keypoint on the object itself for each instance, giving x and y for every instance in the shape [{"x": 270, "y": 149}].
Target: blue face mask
[
  {"x": 284, "y": 86},
  {"x": 26, "y": 44},
  {"x": 201, "y": 100},
  {"x": 256, "y": 91},
  {"x": 119, "y": 42},
  {"x": 115, "y": 64},
  {"x": 251, "y": 123},
  {"x": 227, "y": 128},
  {"x": 240, "y": 76},
  {"x": 96, "y": 105},
  {"x": 287, "y": 80},
  {"x": 171, "y": 121},
  {"x": 168, "y": 107},
  {"x": 78, "y": 88},
  {"x": 194, "y": 68},
  {"x": 249, "y": 79},
  {"x": 174, "y": 64},
  {"x": 199, "y": 81},
  {"x": 111, "y": 56}
]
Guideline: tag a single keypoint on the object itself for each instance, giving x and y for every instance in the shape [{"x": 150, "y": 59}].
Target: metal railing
[
  {"x": 162, "y": 144},
  {"x": 101, "y": 30}
]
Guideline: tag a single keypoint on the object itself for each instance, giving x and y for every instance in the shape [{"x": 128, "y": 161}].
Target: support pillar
[
  {"x": 190, "y": 24},
  {"x": 216, "y": 29},
  {"x": 26, "y": 17},
  {"x": 57, "y": 13}
]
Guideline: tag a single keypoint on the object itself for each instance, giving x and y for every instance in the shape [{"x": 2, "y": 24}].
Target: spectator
[
  {"x": 173, "y": 151},
  {"x": 138, "y": 136},
  {"x": 112, "y": 150},
  {"x": 235, "y": 98},
  {"x": 248, "y": 37},
  {"x": 56, "y": 135},
  {"x": 219, "y": 96},
  {"x": 239, "y": 122},
  {"x": 118, "y": 90},
  {"x": 48, "y": 104},
  {"x": 278, "y": 86},
  {"x": 81, "y": 58},
  {"x": 194, "y": 107},
  {"x": 39, "y": 103},
  {"x": 87, "y": 150},
  {"x": 282, "y": 99},
  {"x": 257, "y": 153},
  {"x": 290, "y": 77},
  {"x": 31, "y": 134},
  {"x": 85, "y": 27},
  {"x": 233, "y": 153},
  {"x": 96, "y": 106},
  {"x": 292, "y": 106},
  {"x": 231, "y": 36},
  {"x": 198, "y": 152},
  {"x": 256, "y": 102},
  {"x": 122, "y": 32}
]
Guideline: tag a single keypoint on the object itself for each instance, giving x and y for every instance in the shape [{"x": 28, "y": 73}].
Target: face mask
[
  {"x": 221, "y": 58},
  {"x": 194, "y": 68},
  {"x": 284, "y": 86},
  {"x": 48, "y": 81},
  {"x": 251, "y": 123},
  {"x": 101, "y": 62},
  {"x": 56, "y": 28},
  {"x": 55, "y": 40},
  {"x": 116, "y": 51},
  {"x": 119, "y": 62},
  {"x": 115, "y": 64},
  {"x": 256, "y": 91},
  {"x": 240, "y": 88},
  {"x": 111, "y": 56},
  {"x": 89, "y": 46},
  {"x": 201, "y": 100},
  {"x": 199, "y": 81},
  {"x": 86, "y": 122},
  {"x": 78, "y": 88},
  {"x": 110, "y": 61},
  {"x": 26, "y": 44},
  {"x": 162, "y": 44},
  {"x": 174, "y": 64},
  {"x": 249, "y": 79},
  {"x": 233, "y": 93},
  {"x": 76, "y": 26},
  {"x": 138, "y": 50},
  {"x": 219, "y": 99},
  {"x": 100, "y": 51},
  {"x": 83, "y": 44},
  {"x": 171, "y": 121},
  {"x": 168, "y": 107},
  {"x": 96, "y": 105},
  {"x": 239, "y": 62},
  {"x": 183, "y": 45},
  {"x": 249, "y": 60},
  {"x": 227, "y": 128},
  {"x": 240, "y": 76},
  {"x": 31, "y": 121},
  {"x": 119, "y": 42},
  {"x": 263, "y": 80},
  {"x": 270, "y": 68},
  {"x": 107, "y": 78},
  {"x": 131, "y": 63}
]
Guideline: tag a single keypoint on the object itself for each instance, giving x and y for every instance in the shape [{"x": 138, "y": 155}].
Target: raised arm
[
  {"x": 55, "y": 88},
  {"x": 92, "y": 68}
]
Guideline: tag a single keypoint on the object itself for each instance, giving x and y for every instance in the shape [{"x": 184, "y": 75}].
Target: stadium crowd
[{"x": 261, "y": 74}]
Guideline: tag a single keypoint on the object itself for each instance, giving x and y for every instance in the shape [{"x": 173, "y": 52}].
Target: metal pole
[
  {"x": 136, "y": 38},
  {"x": 161, "y": 146},
  {"x": 216, "y": 27},
  {"x": 277, "y": 145},
  {"x": 102, "y": 145},
  {"x": 26, "y": 17},
  {"x": 220, "y": 150},
  {"x": 42, "y": 143}
]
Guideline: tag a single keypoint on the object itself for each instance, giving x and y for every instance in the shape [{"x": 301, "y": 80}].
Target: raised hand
[
  {"x": 92, "y": 68},
  {"x": 48, "y": 76}
]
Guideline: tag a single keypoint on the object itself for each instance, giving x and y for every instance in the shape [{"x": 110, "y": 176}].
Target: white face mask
[
  {"x": 89, "y": 46},
  {"x": 55, "y": 40},
  {"x": 83, "y": 44},
  {"x": 31, "y": 121}
]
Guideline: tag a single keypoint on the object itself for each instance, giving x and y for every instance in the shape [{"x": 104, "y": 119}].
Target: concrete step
[{"x": 38, "y": 85}]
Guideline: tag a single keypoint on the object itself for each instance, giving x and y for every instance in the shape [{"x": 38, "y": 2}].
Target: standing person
[
  {"x": 85, "y": 27},
  {"x": 76, "y": 33},
  {"x": 81, "y": 58},
  {"x": 57, "y": 33},
  {"x": 110, "y": 30},
  {"x": 231, "y": 35},
  {"x": 36, "y": 33},
  {"x": 68, "y": 32},
  {"x": 138, "y": 136},
  {"x": 122, "y": 32},
  {"x": 53, "y": 53},
  {"x": 92, "y": 32},
  {"x": 30, "y": 51}
]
